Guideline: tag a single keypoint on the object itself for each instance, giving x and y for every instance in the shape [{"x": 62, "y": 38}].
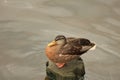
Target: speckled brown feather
[{"x": 74, "y": 46}]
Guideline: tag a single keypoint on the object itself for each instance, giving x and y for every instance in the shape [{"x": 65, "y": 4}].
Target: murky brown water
[{"x": 26, "y": 26}]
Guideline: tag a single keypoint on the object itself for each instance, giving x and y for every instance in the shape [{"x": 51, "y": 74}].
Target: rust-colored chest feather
[{"x": 51, "y": 52}]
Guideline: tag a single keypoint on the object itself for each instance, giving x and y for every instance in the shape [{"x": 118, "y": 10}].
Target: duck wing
[
  {"x": 76, "y": 46},
  {"x": 70, "y": 39}
]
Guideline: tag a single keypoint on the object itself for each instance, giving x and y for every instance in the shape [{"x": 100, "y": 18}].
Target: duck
[{"x": 64, "y": 49}]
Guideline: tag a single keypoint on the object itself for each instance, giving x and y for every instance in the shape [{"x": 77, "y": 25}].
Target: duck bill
[{"x": 53, "y": 43}]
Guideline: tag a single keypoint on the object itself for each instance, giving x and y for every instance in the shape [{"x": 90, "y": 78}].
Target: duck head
[{"x": 59, "y": 40}]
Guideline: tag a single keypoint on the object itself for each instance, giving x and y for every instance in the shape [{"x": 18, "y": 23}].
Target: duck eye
[
  {"x": 59, "y": 38},
  {"x": 56, "y": 39}
]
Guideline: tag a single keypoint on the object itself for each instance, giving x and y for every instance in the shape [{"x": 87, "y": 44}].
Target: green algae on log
[{"x": 73, "y": 70}]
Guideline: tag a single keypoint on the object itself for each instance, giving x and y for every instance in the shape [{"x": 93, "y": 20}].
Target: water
[{"x": 27, "y": 26}]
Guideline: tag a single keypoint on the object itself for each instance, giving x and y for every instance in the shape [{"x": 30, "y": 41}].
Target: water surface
[{"x": 26, "y": 27}]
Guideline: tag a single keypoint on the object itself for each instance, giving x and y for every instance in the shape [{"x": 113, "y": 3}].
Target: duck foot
[{"x": 60, "y": 65}]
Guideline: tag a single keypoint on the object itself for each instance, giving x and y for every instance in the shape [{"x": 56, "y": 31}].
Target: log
[{"x": 74, "y": 70}]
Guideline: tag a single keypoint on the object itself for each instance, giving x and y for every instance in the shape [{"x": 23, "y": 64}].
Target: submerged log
[{"x": 73, "y": 70}]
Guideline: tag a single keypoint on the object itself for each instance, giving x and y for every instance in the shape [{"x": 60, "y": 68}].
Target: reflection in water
[{"x": 26, "y": 27}]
